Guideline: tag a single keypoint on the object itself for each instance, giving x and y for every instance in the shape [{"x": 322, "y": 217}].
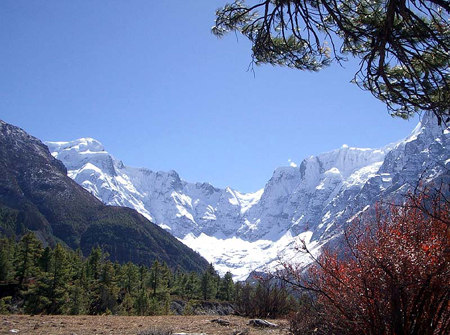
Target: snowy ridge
[
  {"x": 163, "y": 197},
  {"x": 245, "y": 232}
]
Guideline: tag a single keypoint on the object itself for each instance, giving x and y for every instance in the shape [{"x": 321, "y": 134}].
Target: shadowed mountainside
[{"x": 37, "y": 195}]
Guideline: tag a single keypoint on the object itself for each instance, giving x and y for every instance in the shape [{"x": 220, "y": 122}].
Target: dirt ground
[{"x": 87, "y": 325}]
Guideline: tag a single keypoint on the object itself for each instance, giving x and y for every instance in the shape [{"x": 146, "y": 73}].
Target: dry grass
[{"x": 87, "y": 325}]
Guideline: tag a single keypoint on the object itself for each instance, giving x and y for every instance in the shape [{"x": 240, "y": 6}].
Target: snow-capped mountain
[{"x": 244, "y": 232}]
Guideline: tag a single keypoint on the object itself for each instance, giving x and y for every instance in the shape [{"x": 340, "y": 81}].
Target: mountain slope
[
  {"x": 36, "y": 194},
  {"x": 245, "y": 232}
]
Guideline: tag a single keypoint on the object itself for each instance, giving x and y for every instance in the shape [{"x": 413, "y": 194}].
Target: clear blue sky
[{"x": 149, "y": 80}]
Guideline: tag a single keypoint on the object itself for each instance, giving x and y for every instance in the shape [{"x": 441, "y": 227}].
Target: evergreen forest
[{"x": 42, "y": 280}]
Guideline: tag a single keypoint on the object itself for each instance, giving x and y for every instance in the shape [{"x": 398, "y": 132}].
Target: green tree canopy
[
  {"x": 30, "y": 249},
  {"x": 403, "y": 46},
  {"x": 61, "y": 281}
]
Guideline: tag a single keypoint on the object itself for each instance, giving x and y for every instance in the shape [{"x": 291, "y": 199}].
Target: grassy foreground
[{"x": 87, "y": 325}]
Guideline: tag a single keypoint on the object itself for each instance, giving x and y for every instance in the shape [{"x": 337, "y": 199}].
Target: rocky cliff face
[
  {"x": 244, "y": 232},
  {"x": 37, "y": 195}
]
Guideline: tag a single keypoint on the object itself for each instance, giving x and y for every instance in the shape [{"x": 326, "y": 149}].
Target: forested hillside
[
  {"x": 34, "y": 279},
  {"x": 36, "y": 195}
]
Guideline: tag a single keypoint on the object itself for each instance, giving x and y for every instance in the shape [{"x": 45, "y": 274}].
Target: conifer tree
[
  {"x": 403, "y": 46},
  {"x": 30, "y": 249},
  {"x": 79, "y": 291},
  {"x": 180, "y": 283},
  {"x": 209, "y": 282},
  {"x": 37, "y": 296},
  {"x": 227, "y": 287},
  {"x": 128, "y": 278},
  {"x": 105, "y": 290},
  {"x": 45, "y": 259},
  {"x": 50, "y": 292},
  {"x": 192, "y": 285},
  {"x": 94, "y": 261},
  {"x": 142, "y": 302},
  {"x": 155, "y": 277},
  {"x": 6, "y": 252},
  {"x": 166, "y": 281},
  {"x": 207, "y": 285},
  {"x": 59, "y": 276},
  {"x": 144, "y": 275},
  {"x": 127, "y": 307}
]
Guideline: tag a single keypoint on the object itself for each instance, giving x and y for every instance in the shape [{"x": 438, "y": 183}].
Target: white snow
[
  {"x": 242, "y": 232},
  {"x": 251, "y": 256}
]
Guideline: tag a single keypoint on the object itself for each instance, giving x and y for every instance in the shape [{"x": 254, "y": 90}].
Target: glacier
[{"x": 245, "y": 232}]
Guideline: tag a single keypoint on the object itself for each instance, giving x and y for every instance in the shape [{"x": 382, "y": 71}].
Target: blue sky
[{"x": 149, "y": 80}]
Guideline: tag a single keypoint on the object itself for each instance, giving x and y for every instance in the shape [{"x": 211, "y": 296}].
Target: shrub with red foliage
[{"x": 392, "y": 276}]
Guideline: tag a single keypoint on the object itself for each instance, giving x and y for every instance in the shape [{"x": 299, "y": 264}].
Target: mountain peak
[
  {"x": 85, "y": 144},
  {"x": 241, "y": 232},
  {"x": 430, "y": 123},
  {"x": 429, "y": 118},
  {"x": 10, "y": 129}
]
